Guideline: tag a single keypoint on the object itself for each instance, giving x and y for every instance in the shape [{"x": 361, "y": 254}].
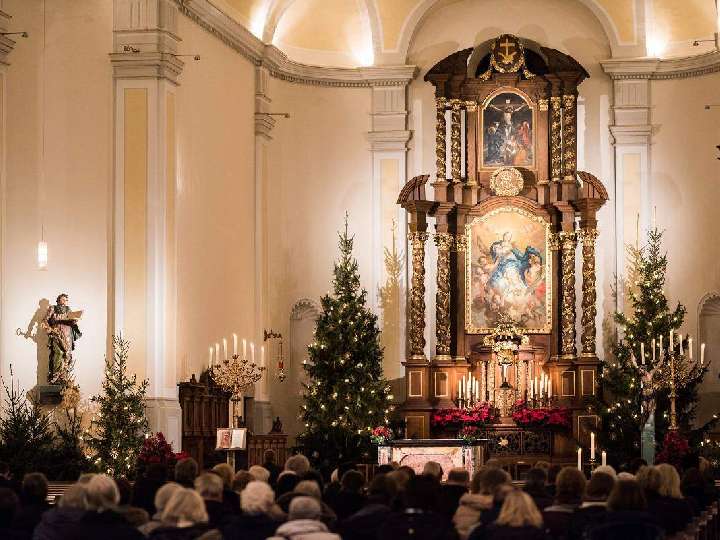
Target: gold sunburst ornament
[{"x": 506, "y": 181}]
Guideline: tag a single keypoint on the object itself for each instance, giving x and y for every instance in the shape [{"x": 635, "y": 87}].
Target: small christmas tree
[
  {"x": 346, "y": 396},
  {"x": 623, "y": 405},
  {"x": 118, "y": 431}
]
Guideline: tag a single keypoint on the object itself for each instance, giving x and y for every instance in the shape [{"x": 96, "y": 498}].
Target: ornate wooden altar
[{"x": 510, "y": 208}]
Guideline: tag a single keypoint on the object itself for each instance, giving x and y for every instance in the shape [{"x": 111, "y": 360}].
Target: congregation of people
[{"x": 295, "y": 502}]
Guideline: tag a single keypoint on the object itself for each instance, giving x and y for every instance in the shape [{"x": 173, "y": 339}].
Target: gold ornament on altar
[
  {"x": 506, "y": 336},
  {"x": 506, "y": 181},
  {"x": 236, "y": 375},
  {"x": 507, "y": 55}
]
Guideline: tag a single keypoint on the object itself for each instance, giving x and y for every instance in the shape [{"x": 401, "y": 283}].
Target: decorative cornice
[
  {"x": 146, "y": 65},
  {"x": 671, "y": 68},
  {"x": 237, "y": 37},
  {"x": 388, "y": 140}
]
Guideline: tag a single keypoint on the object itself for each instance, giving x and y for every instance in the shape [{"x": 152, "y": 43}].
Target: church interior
[{"x": 388, "y": 231}]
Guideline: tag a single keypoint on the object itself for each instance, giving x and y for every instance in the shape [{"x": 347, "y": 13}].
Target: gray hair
[
  {"x": 607, "y": 469},
  {"x": 257, "y": 497},
  {"x": 209, "y": 486},
  {"x": 298, "y": 464},
  {"x": 185, "y": 505},
  {"x": 259, "y": 473},
  {"x": 102, "y": 493},
  {"x": 74, "y": 497},
  {"x": 164, "y": 494},
  {"x": 304, "y": 508},
  {"x": 433, "y": 468},
  {"x": 309, "y": 488}
]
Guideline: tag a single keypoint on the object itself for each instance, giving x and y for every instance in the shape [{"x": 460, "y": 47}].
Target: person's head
[
  {"x": 627, "y": 495},
  {"x": 309, "y": 488},
  {"x": 400, "y": 478},
  {"x": 409, "y": 471},
  {"x": 259, "y": 473},
  {"x": 535, "y": 480},
  {"x": 650, "y": 480},
  {"x": 607, "y": 469},
  {"x": 257, "y": 498},
  {"x": 298, "y": 464},
  {"x": 226, "y": 474},
  {"x": 352, "y": 481},
  {"x": 74, "y": 497},
  {"x": 542, "y": 464},
  {"x": 598, "y": 487},
  {"x": 434, "y": 469},
  {"x": 210, "y": 487},
  {"x": 240, "y": 480},
  {"x": 552, "y": 473},
  {"x": 157, "y": 472},
  {"x": 487, "y": 480},
  {"x": 493, "y": 463},
  {"x": 84, "y": 478},
  {"x": 269, "y": 456},
  {"x": 519, "y": 510},
  {"x": 9, "y": 504},
  {"x": 185, "y": 507},
  {"x": 125, "y": 490},
  {"x": 34, "y": 488},
  {"x": 304, "y": 508},
  {"x": 458, "y": 477},
  {"x": 286, "y": 483},
  {"x": 102, "y": 493},
  {"x": 670, "y": 484},
  {"x": 624, "y": 475},
  {"x": 421, "y": 492},
  {"x": 4, "y": 470},
  {"x": 186, "y": 470},
  {"x": 315, "y": 476},
  {"x": 163, "y": 495},
  {"x": 382, "y": 490},
  {"x": 62, "y": 299},
  {"x": 692, "y": 482},
  {"x": 384, "y": 469},
  {"x": 635, "y": 465},
  {"x": 569, "y": 486}
]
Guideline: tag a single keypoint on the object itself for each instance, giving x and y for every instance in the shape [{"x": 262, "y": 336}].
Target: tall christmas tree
[
  {"x": 346, "y": 395},
  {"x": 624, "y": 405},
  {"x": 118, "y": 430}
]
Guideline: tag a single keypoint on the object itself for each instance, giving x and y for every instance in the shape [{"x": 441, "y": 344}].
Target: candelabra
[
  {"x": 235, "y": 376},
  {"x": 674, "y": 371}
]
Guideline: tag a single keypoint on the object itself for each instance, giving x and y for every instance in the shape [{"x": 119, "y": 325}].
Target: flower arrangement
[
  {"x": 468, "y": 434},
  {"x": 156, "y": 449},
  {"x": 541, "y": 417},
  {"x": 674, "y": 449},
  {"x": 480, "y": 415},
  {"x": 381, "y": 434}
]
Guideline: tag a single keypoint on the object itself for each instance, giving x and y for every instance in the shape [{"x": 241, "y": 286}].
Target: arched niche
[{"x": 709, "y": 333}]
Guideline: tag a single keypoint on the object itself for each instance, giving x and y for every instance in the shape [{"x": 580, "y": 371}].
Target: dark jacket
[
  {"x": 107, "y": 525},
  {"x": 231, "y": 501},
  {"x": 504, "y": 532},
  {"x": 449, "y": 499},
  {"x": 557, "y": 519},
  {"x": 28, "y": 516},
  {"x": 178, "y": 533},
  {"x": 249, "y": 527},
  {"x": 584, "y": 518},
  {"x": 143, "y": 493},
  {"x": 630, "y": 524},
  {"x": 541, "y": 498},
  {"x": 346, "y": 503},
  {"x": 673, "y": 515},
  {"x": 217, "y": 514},
  {"x": 365, "y": 524},
  {"x": 59, "y": 524},
  {"x": 416, "y": 525}
]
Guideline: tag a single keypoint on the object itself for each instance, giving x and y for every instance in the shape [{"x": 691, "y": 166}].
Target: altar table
[{"x": 449, "y": 453}]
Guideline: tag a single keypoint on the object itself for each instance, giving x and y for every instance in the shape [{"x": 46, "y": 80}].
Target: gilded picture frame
[
  {"x": 508, "y": 269},
  {"x": 506, "y": 127}
]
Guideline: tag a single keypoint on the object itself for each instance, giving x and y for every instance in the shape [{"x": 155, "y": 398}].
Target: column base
[
  {"x": 262, "y": 417},
  {"x": 165, "y": 415}
]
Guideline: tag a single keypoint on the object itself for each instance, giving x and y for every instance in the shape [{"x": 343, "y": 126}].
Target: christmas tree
[
  {"x": 118, "y": 430},
  {"x": 346, "y": 396},
  {"x": 625, "y": 404}
]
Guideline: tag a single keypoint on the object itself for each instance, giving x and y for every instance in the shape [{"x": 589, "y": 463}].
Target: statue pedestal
[{"x": 49, "y": 394}]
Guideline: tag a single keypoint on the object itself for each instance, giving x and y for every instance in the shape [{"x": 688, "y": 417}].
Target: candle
[
  {"x": 654, "y": 223},
  {"x": 234, "y": 344},
  {"x": 225, "y": 348},
  {"x": 690, "y": 347},
  {"x": 252, "y": 352},
  {"x": 217, "y": 352},
  {"x": 603, "y": 458},
  {"x": 702, "y": 354},
  {"x": 244, "y": 348},
  {"x": 653, "y": 349},
  {"x": 459, "y": 389},
  {"x": 549, "y": 387},
  {"x": 262, "y": 355},
  {"x": 661, "y": 348},
  {"x": 642, "y": 354},
  {"x": 475, "y": 382},
  {"x": 671, "y": 340},
  {"x": 210, "y": 360},
  {"x": 592, "y": 446},
  {"x": 579, "y": 459}
]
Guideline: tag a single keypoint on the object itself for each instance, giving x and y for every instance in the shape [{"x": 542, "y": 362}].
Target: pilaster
[{"x": 143, "y": 276}]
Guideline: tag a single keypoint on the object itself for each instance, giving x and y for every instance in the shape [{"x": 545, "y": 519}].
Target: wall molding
[
  {"x": 657, "y": 69},
  {"x": 240, "y": 39}
]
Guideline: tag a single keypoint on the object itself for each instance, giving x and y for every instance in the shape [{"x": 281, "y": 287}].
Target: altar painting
[
  {"x": 507, "y": 132},
  {"x": 508, "y": 271}
]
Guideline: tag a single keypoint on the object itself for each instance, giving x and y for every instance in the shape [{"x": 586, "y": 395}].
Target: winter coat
[
  {"x": 449, "y": 499},
  {"x": 304, "y": 529},
  {"x": 416, "y": 524},
  {"x": 468, "y": 512},
  {"x": 179, "y": 533},
  {"x": 249, "y": 527},
  {"x": 107, "y": 525},
  {"x": 364, "y": 524},
  {"x": 505, "y": 532},
  {"x": 59, "y": 524}
]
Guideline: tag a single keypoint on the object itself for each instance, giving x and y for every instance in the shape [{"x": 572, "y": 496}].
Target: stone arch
[{"x": 709, "y": 333}]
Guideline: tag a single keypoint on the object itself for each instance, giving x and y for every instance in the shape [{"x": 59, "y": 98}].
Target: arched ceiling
[{"x": 350, "y": 33}]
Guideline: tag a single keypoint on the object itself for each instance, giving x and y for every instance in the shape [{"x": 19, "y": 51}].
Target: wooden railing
[{"x": 257, "y": 444}]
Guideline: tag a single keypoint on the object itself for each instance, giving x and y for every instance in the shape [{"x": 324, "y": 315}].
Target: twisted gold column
[
  {"x": 455, "y": 141},
  {"x": 569, "y": 139},
  {"x": 555, "y": 138},
  {"x": 568, "y": 241},
  {"x": 589, "y": 293},
  {"x": 444, "y": 243},
  {"x": 416, "y": 324},
  {"x": 440, "y": 141}
]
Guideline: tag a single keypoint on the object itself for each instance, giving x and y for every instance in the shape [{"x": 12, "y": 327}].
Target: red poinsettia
[
  {"x": 156, "y": 449},
  {"x": 674, "y": 448},
  {"x": 381, "y": 435},
  {"x": 541, "y": 417},
  {"x": 480, "y": 415}
]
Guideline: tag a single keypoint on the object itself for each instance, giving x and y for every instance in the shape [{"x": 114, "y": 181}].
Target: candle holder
[
  {"x": 236, "y": 376},
  {"x": 592, "y": 463},
  {"x": 269, "y": 335}
]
